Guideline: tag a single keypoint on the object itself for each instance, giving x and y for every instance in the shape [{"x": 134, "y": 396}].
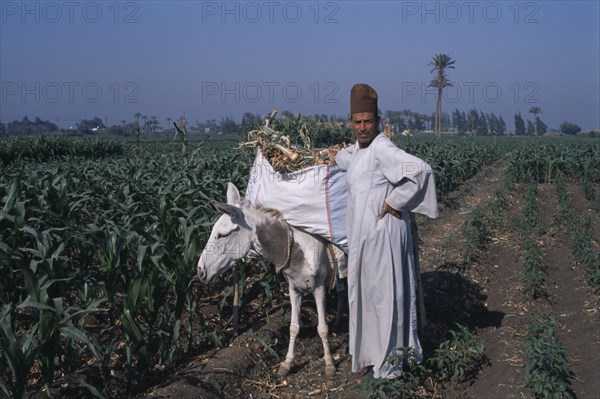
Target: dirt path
[
  {"x": 441, "y": 240},
  {"x": 500, "y": 324},
  {"x": 498, "y": 271}
]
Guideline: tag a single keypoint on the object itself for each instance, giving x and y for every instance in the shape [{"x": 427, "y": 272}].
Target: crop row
[
  {"x": 43, "y": 149},
  {"x": 547, "y": 373},
  {"x": 543, "y": 161},
  {"x": 534, "y": 273},
  {"x": 580, "y": 230}
]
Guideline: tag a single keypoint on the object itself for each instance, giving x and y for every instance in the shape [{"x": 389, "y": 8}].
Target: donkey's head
[{"x": 230, "y": 240}]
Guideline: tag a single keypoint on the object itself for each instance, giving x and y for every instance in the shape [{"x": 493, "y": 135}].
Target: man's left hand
[{"x": 388, "y": 209}]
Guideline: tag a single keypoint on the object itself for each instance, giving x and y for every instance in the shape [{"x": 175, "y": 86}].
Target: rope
[
  {"x": 334, "y": 261},
  {"x": 290, "y": 236}
]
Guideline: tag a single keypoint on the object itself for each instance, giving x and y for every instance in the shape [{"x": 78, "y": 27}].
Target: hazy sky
[{"x": 68, "y": 60}]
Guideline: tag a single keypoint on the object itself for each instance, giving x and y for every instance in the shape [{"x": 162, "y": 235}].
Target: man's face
[{"x": 365, "y": 126}]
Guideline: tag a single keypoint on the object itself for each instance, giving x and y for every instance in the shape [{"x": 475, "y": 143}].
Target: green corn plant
[
  {"x": 18, "y": 353},
  {"x": 112, "y": 254},
  {"x": 135, "y": 345},
  {"x": 52, "y": 321},
  {"x": 9, "y": 292},
  {"x": 180, "y": 271},
  {"x": 138, "y": 325},
  {"x": 13, "y": 214}
]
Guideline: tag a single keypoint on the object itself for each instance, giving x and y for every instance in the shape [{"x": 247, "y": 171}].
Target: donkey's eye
[{"x": 223, "y": 235}]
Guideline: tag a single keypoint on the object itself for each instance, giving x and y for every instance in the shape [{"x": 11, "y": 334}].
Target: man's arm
[{"x": 413, "y": 181}]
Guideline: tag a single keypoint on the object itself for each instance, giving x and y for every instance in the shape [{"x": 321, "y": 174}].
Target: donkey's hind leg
[
  {"x": 296, "y": 300},
  {"x": 323, "y": 330}
]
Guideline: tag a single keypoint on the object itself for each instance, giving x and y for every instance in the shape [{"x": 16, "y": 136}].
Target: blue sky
[{"x": 66, "y": 61}]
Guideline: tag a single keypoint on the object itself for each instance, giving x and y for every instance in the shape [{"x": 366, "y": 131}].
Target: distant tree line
[
  {"x": 413, "y": 121},
  {"x": 537, "y": 127},
  {"x": 473, "y": 122},
  {"x": 25, "y": 127},
  {"x": 478, "y": 123}
]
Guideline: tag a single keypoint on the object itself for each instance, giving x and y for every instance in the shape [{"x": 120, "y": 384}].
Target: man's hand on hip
[{"x": 388, "y": 209}]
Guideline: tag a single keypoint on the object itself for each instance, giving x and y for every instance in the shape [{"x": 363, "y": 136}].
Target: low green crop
[
  {"x": 547, "y": 373},
  {"x": 459, "y": 355}
]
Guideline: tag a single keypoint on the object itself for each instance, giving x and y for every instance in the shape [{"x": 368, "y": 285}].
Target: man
[{"x": 384, "y": 183}]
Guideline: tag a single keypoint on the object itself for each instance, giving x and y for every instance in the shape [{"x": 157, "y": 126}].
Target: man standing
[{"x": 384, "y": 183}]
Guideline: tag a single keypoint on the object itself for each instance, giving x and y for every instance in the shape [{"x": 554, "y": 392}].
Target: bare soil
[{"x": 488, "y": 298}]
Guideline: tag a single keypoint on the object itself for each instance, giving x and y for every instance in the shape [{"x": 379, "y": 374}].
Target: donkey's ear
[
  {"x": 233, "y": 195},
  {"x": 234, "y": 212}
]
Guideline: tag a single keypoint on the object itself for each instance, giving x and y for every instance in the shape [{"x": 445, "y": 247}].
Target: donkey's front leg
[
  {"x": 296, "y": 300},
  {"x": 324, "y": 331}
]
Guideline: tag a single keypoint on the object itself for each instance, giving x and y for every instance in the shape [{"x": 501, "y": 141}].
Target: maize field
[{"x": 99, "y": 240}]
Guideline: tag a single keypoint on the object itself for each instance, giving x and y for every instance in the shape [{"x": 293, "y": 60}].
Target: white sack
[{"x": 313, "y": 199}]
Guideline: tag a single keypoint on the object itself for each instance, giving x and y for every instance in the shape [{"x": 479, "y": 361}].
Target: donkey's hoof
[
  {"x": 330, "y": 370},
  {"x": 284, "y": 370}
]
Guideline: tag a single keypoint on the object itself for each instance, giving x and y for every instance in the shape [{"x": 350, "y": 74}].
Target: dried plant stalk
[{"x": 282, "y": 155}]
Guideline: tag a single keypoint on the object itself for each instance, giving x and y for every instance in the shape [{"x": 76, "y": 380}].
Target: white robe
[{"x": 381, "y": 269}]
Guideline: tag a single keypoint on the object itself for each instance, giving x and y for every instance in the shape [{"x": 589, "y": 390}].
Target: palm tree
[
  {"x": 535, "y": 110},
  {"x": 440, "y": 63}
]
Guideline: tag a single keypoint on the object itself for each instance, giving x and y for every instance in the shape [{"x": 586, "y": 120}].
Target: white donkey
[{"x": 304, "y": 259}]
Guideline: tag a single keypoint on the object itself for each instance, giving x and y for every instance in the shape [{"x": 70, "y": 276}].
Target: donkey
[{"x": 305, "y": 259}]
